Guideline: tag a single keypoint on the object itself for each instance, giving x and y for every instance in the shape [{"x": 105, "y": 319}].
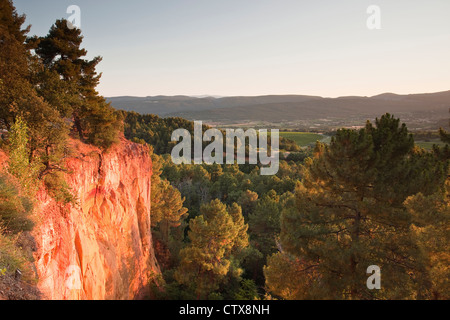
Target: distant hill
[
  {"x": 172, "y": 105},
  {"x": 430, "y": 109}
]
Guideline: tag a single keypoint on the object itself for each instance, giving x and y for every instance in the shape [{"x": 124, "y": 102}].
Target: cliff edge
[{"x": 100, "y": 247}]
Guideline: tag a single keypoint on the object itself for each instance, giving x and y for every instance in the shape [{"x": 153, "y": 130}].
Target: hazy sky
[{"x": 258, "y": 47}]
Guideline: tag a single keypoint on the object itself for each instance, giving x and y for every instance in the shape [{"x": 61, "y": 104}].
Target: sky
[{"x": 259, "y": 47}]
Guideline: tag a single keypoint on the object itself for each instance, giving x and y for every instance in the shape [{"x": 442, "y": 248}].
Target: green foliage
[
  {"x": 349, "y": 214},
  {"x": 431, "y": 229},
  {"x": 19, "y": 100},
  {"x": 45, "y": 87},
  {"x": 167, "y": 204},
  {"x": 248, "y": 201},
  {"x": 264, "y": 223},
  {"x": 68, "y": 83},
  {"x": 197, "y": 185},
  {"x": 241, "y": 240},
  {"x": 13, "y": 258},
  {"x": 443, "y": 152},
  {"x": 302, "y": 139},
  {"x": 207, "y": 260},
  {"x": 290, "y": 278},
  {"x": 154, "y": 130},
  {"x": 247, "y": 291},
  {"x": 299, "y": 156},
  {"x": 167, "y": 212},
  {"x": 101, "y": 125},
  {"x": 15, "y": 208},
  {"x": 370, "y": 197},
  {"x": 19, "y": 158},
  {"x": 58, "y": 188},
  {"x": 13, "y": 63},
  {"x": 445, "y": 136},
  {"x": 167, "y": 288}
]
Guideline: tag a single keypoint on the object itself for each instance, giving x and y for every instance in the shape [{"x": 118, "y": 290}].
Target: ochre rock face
[{"x": 101, "y": 247}]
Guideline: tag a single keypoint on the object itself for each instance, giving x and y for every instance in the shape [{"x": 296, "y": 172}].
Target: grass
[
  {"x": 303, "y": 139},
  {"x": 15, "y": 257},
  {"x": 428, "y": 145}
]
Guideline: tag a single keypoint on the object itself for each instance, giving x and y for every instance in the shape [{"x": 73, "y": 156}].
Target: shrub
[
  {"x": 13, "y": 258},
  {"x": 19, "y": 158},
  {"x": 58, "y": 188},
  {"x": 15, "y": 208}
]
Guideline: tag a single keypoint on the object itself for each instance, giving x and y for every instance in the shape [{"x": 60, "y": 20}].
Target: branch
[{"x": 51, "y": 168}]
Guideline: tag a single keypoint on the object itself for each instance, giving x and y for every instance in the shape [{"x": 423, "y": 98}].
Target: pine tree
[
  {"x": 291, "y": 278},
  {"x": 13, "y": 61},
  {"x": 207, "y": 260},
  {"x": 241, "y": 240},
  {"x": 248, "y": 201},
  {"x": 14, "y": 56},
  {"x": 431, "y": 229},
  {"x": 350, "y": 214},
  {"x": 443, "y": 152},
  {"x": 167, "y": 203},
  {"x": 445, "y": 136},
  {"x": 264, "y": 223},
  {"x": 95, "y": 120},
  {"x": 18, "y": 95}
]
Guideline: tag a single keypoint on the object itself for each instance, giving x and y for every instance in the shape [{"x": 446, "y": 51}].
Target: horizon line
[{"x": 201, "y": 96}]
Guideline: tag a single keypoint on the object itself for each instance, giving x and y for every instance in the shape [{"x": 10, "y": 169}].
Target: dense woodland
[{"x": 370, "y": 197}]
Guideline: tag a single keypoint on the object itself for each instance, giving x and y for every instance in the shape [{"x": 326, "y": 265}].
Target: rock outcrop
[{"x": 100, "y": 247}]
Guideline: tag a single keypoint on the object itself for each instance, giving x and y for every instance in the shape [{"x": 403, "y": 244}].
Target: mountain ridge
[{"x": 424, "y": 107}]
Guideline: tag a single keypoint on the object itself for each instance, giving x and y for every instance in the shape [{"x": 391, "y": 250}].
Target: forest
[{"x": 368, "y": 197}]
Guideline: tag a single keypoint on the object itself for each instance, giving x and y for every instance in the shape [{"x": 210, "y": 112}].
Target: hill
[
  {"x": 419, "y": 111},
  {"x": 175, "y": 105}
]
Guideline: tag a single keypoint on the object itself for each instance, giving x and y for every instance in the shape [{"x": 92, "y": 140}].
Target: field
[
  {"x": 304, "y": 139},
  {"x": 428, "y": 145}
]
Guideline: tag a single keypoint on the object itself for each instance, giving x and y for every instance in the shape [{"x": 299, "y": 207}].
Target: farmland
[{"x": 304, "y": 139}]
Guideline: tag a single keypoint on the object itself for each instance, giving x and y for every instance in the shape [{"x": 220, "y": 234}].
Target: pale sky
[{"x": 259, "y": 47}]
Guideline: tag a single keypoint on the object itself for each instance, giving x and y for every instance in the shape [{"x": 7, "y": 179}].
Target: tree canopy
[{"x": 350, "y": 214}]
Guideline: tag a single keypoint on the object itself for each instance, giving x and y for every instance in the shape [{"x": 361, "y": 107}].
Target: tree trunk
[
  {"x": 77, "y": 124},
  {"x": 354, "y": 291}
]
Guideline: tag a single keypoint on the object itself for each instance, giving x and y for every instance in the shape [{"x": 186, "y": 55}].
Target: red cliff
[{"x": 101, "y": 247}]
